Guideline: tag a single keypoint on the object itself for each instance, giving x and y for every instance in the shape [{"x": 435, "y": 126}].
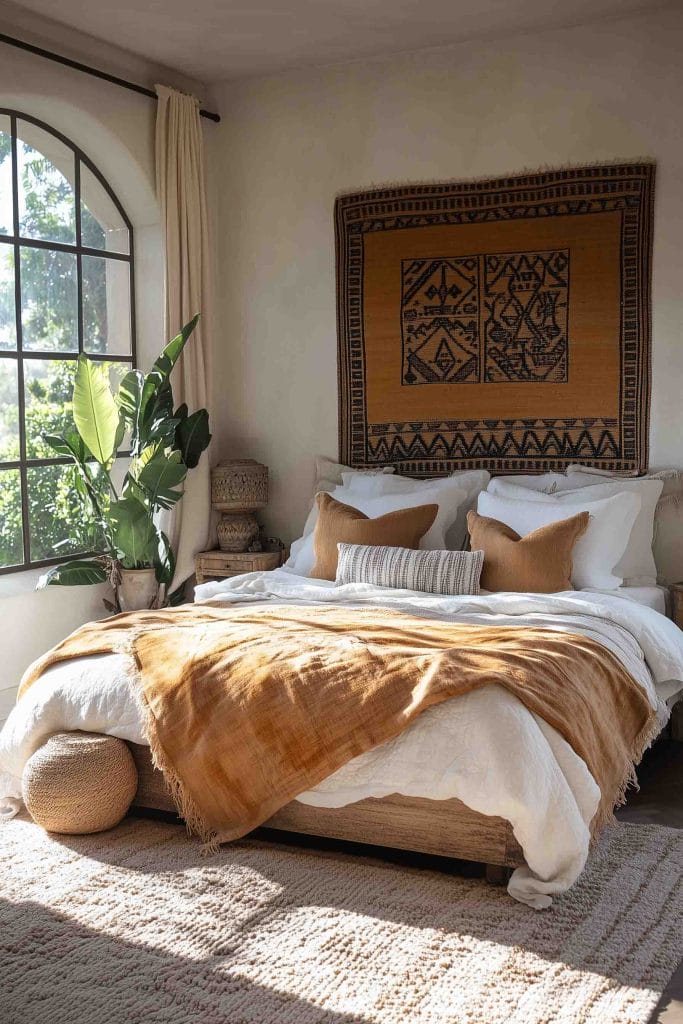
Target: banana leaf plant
[{"x": 121, "y": 524}]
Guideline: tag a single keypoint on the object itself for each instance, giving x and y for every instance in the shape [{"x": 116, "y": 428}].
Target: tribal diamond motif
[
  {"x": 522, "y": 320},
  {"x": 526, "y": 316},
  {"x": 440, "y": 320}
]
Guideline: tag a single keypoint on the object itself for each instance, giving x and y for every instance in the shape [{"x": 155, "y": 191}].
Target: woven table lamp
[{"x": 238, "y": 488}]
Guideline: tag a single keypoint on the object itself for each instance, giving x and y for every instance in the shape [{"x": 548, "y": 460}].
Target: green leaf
[
  {"x": 151, "y": 388},
  {"x": 131, "y": 489},
  {"x": 70, "y": 443},
  {"x": 166, "y": 564},
  {"x": 161, "y": 476},
  {"x": 135, "y": 399},
  {"x": 128, "y": 395},
  {"x": 161, "y": 432},
  {"x": 163, "y": 400},
  {"x": 95, "y": 412},
  {"x": 169, "y": 356},
  {"x": 177, "y": 597},
  {"x": 134, "y": 533},
  {"x": 192, "y": 436},
  {"x": 78, "y": 573},
  {"x": 120, "y": 431}
]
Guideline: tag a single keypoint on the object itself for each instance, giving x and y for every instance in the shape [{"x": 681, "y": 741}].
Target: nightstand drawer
[{"x": 223, "y": 564}]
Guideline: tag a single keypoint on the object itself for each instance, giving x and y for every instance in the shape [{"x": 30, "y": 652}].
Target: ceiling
[{"x": 211, "y": 40}]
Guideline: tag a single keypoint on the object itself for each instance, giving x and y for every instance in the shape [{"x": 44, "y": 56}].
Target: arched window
[{"x": 66, "y": 287}]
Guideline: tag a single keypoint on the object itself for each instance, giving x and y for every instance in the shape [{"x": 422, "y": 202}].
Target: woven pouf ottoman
[{"x": 79, "y": 782}]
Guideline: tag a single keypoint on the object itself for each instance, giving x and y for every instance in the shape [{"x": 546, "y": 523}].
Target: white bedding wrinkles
[{"x": 484, "y": 748}]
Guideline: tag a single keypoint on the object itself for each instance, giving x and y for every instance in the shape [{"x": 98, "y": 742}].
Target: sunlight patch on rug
[{"x": 135, "y": 925}]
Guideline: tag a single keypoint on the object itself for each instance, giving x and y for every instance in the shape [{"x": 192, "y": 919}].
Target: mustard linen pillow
[
  {"x": 539, "y": 563},
  {"x": 343, "y": 524}
]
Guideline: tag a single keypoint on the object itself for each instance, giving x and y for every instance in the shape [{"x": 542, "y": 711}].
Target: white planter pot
[{"x": 138, "y": 589}]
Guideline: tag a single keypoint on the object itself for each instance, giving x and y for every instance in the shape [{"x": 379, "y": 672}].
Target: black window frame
[{"x": 20, "y": 355}]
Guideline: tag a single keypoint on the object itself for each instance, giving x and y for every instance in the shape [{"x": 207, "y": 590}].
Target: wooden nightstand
[
  {"x": 676, "y": 590},
  {"x": 676, "y": 702},
  {"x": 219, "y": 565}
]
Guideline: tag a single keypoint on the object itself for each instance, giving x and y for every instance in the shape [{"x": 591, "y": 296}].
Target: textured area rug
[{"x": 134, "y": 925}]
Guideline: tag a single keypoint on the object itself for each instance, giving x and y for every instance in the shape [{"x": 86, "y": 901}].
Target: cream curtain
[{"x": 182, "y": 198}]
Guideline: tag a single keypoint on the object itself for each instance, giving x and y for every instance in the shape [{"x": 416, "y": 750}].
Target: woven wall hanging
[{"x": 500, "y": 324}]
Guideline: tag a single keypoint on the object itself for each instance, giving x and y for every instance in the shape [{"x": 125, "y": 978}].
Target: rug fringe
[
  {"x": 183, "y": 801},
  {"x": 375, "y": 187}
]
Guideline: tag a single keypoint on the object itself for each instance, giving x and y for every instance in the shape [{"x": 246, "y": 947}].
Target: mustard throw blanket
[{"x": 247, "y": 707}]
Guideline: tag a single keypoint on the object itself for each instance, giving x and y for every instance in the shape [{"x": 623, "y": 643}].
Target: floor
[{"x": 660, "y": 802}]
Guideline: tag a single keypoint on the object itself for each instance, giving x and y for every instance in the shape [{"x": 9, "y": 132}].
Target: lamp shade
[{"x": 239, "y": 485}]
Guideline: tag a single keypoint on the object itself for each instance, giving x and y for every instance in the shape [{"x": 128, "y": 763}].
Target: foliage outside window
[{"x": 66, "y": 287}]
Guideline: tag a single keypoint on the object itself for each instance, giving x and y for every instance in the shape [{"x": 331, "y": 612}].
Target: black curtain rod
[{"x": 58, "y": 59}]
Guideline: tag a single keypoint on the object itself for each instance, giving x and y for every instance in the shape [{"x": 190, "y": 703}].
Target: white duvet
[{"x": 484, "y": 748}]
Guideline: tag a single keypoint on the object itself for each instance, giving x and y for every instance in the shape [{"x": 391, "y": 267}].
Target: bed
[
  {"x": 478, "y": 778},
  {"x": 447, "y": 828}
]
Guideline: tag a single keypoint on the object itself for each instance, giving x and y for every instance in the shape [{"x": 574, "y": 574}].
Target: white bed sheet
[
  {"x": 484, "y": 748},
  {"x": 649, "y": 597}
]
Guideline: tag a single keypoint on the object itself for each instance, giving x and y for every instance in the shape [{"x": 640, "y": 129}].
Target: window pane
[
  {"x": 102, "y": 226},
  {"x": 49, "y": 300},
  {"x": 45, "y": 172},
  {"x": 106, "y": 305},
  {"x": 48, "y": 388},
  {"x": 8, "y": 320},
  {"x": 54, "y": 512},
  {"x": 6, "y": 208},
  {"x": 9, "y": 411},
  {"x": 11, "y": 543}
]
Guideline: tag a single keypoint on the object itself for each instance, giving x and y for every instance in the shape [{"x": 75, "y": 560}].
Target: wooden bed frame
[{"x": 447, "y": 828}]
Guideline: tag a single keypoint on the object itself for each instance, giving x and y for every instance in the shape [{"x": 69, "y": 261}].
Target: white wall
[
  {"x": 290, "y": 143},
  {"x": 115, "y": 128}
]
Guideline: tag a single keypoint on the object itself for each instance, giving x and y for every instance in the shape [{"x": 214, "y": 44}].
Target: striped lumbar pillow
[{"x": 435, "y": 572}]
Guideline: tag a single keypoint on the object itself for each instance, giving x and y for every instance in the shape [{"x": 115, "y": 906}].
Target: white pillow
[
  {"x": 604, "y": 474},
  {"x": 548, "y": 483},
  {"x": 473, "y": 481},
  {"x": 328, "y": 475},
  {"x": 668, "y": 534},
  {"x": 302, "y": 554},
  {"x": 597, "y": 551},
  {"x": 637, "y": 564},
  {"x": 328, "y": 471}
]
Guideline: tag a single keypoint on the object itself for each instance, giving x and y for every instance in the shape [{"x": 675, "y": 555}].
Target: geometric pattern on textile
[
  {"x": 521, "y": 322},
  {"x": 500, "y": 324},
  {"x": 433, "y": 572},
  {"x": 527, "y": 303},
  {"x": 440, "y": 317}
]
